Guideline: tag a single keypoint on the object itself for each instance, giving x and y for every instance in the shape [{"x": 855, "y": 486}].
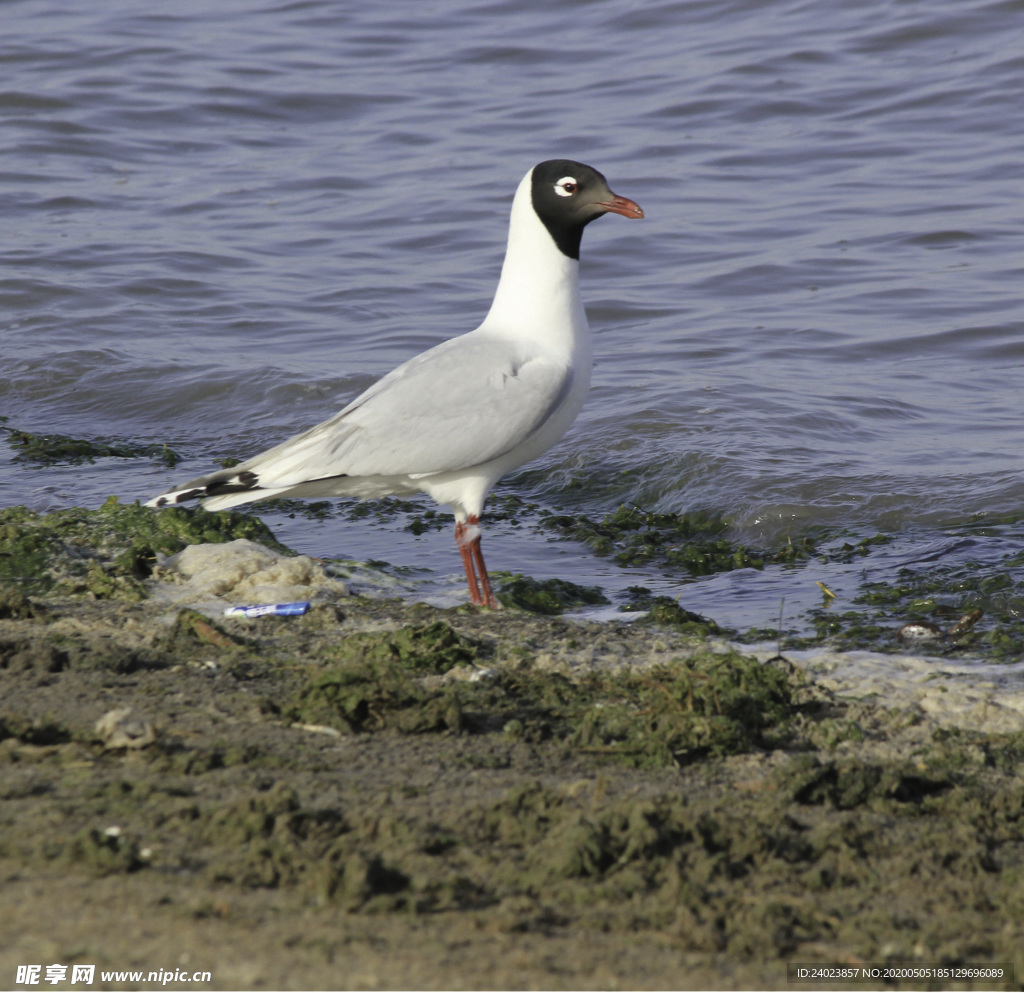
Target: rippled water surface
[{"x": 221, "y": 221}]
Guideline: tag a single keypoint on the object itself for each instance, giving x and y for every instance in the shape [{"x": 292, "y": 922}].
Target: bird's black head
[{"x": 568, "y": 195}]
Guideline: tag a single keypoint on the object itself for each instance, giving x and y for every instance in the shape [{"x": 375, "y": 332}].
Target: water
[{"x": 219, "y": 222}]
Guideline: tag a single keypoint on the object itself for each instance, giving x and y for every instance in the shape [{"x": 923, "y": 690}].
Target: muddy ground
[{"x": 387, "y": 795}]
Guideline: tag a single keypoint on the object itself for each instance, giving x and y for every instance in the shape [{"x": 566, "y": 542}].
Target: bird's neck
[{"x": 538, "y": 293}]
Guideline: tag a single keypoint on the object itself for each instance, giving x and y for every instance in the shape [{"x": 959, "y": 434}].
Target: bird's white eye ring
[{"x": 566, "y": 186}]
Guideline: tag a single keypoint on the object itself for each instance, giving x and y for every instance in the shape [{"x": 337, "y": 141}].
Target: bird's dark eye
[{"x": 566, "y": 186}]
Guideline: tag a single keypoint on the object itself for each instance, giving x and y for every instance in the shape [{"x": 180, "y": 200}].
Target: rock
[
  {"x": 244, "y": 571},
  {"x": 119, "y": 729}
]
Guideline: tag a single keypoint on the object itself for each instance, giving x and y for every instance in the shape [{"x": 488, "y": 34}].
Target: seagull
[{"x": 453, "y": 420}]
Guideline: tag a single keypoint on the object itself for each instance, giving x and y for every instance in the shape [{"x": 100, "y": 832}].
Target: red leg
[
  {"x": 466, "y": 551},
  {"x": 485, "y": 581},
  {"x": 467, "y": 537}
]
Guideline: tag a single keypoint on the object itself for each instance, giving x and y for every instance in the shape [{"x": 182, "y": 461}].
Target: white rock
[
  {"x": 118, "y": 728},
  {"x": 243, "y": 571}
]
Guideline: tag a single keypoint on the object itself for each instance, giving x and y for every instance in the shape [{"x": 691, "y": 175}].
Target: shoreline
[{"x": 381, "y": 794}]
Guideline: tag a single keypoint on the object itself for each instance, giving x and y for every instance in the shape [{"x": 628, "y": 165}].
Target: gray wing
[{"x": 460, "y": 404}]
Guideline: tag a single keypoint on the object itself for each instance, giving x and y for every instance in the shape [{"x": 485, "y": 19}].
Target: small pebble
[
  {"x": 920, "y": 631},
  {"x": 118, "y": 729}
]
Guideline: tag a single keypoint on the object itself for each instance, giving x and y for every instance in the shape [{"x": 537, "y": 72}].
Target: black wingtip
[{"x": 241, "y": 483}]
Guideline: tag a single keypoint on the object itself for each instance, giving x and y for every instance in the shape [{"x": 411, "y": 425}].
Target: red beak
[{"x": 623, "y": 206}]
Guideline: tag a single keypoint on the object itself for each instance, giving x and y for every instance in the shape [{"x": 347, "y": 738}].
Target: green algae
[
  {"x": 45, "y": 652},
  {"x": 757, "y": 878},
  {"x": 841, "y": 856},
  {"x": 48, "y": 449},
  {"x": 254, "y": 816},
  {"x": 698, "y": 544},
  {"x": 374, "y": 696},
  {"x": 851, "y": 783},
  {"x": 943, "y": 597},
  {"x": 102, "y": 853},
  {"x": 667, "y": 612},
  {"x": 709, "y": 704},
  {"x": 664, "y": 611},
  {"x": 693, "y": 542},
  {"x": 426, "y": 648},
  {"x": 105, "y": 553},
  {"x": 546, "y": 596},
  {"x": 14, "y": 605}
]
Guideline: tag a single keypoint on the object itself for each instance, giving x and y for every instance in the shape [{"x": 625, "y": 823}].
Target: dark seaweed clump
[
  {"x": 546, "y": 596},
  {"x": 46, "y": 449}
]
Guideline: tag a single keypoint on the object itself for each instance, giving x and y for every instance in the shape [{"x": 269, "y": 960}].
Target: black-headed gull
[{"x": 452, "y": 421}]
